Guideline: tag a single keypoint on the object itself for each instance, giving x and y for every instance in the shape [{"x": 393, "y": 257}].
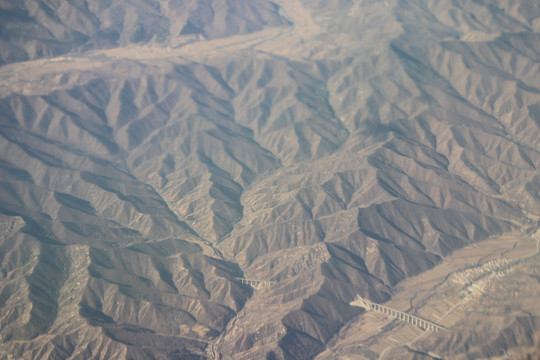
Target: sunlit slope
[
  {"x": 336, "y": 148},
  {"x": 36, "y": 29}
]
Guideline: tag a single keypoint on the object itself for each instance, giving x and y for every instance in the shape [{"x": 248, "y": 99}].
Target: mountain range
[{"x": 153, "y": 152}]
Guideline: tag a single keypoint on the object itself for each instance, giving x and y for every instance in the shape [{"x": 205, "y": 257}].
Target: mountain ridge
[{"x": 337, "y": 148}]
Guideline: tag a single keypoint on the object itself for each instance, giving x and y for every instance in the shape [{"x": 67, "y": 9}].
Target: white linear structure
[
  {"x": 255, "y": 283},
  {"x": 411, "y": 319}
]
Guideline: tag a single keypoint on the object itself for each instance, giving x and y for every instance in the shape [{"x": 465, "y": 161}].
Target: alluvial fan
[{"x": 154, "y": 153}]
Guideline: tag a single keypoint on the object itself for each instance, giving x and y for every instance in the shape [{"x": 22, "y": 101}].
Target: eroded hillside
[{"x": 335, "y": 148}]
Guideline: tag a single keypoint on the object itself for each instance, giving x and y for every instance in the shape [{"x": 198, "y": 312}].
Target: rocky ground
[{"x": 153, "y": 152}]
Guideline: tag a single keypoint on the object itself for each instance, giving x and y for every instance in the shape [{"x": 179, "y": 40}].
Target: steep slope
[
  {"x": 35, "y": 29},
  {"x": 335, "y": 148}
]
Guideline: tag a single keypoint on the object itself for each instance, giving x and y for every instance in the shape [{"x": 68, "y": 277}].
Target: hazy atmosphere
[{"x": 254, "y": 179}]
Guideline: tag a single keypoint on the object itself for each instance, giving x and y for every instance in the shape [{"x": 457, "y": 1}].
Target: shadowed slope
[
  {"x": 336, "y": 156},
  {"x": 37, "y": 29}
]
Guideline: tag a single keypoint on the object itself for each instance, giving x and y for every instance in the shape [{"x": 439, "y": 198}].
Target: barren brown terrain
[
  {"x": 481, "y": 294},
  {"x": 221, "y": 179}
]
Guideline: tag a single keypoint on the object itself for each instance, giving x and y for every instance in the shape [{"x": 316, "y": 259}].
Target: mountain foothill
[{"x": 154, "y": 152}]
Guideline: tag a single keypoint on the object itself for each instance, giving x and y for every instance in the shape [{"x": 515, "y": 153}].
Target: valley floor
[{"x": 497, "y": 276}]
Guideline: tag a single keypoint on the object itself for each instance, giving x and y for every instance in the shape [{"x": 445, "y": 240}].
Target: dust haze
[{"x": 227, "y": 179}]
